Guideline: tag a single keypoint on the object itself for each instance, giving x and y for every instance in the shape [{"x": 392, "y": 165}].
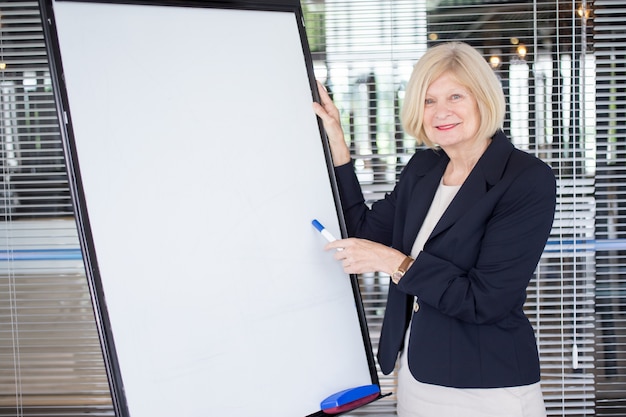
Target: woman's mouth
[{"x": 447, "y": 127}]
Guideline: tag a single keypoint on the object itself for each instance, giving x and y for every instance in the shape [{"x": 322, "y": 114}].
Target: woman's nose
[{"x": 442, "y": 111}]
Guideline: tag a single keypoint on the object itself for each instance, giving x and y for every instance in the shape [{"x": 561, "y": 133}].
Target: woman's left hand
[{"x": 360, "y": 256}]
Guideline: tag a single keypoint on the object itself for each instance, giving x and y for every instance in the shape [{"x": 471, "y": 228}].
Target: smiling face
[
  {"x": 451, "y": 115},
  {"x": 451, "y": 63}
]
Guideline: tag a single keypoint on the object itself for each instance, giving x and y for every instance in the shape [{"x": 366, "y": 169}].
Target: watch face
[{"x": 395, "y": 277}]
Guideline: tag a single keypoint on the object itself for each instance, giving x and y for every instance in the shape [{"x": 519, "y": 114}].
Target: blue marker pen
[{"x": 327, "y": 235}]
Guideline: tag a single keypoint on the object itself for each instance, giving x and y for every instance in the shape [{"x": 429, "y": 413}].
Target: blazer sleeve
[
  {"x": 379, "y": 222},
  {"x": 361, "y": 222},
  {"x": 479, "y": 270}
]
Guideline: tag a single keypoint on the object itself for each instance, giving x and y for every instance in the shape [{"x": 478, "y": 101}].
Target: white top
[{"x": 417, "y": 399}]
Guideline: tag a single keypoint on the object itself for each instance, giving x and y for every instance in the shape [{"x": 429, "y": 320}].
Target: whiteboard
[{"x": 197, "y": 166}]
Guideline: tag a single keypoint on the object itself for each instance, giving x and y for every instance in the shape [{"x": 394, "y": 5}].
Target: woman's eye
[
  {"x": 429, "y": 101},
  {"x": 456, "y": 96}
]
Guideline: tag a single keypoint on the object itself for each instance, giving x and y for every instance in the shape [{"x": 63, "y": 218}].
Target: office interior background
[{"x": 562, "y": 64}]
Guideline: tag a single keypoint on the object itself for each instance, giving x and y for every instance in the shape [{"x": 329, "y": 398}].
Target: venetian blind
[
  {"x": 542, "y": 52},
  {"x": 609, "y": 38},
  {"x": 50, "y": 357}
]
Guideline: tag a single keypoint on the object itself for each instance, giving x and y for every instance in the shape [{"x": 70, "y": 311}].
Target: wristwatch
[{"x": 399, "y": 273}]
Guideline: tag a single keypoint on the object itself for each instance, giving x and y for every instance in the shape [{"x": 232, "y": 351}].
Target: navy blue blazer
[{"x": 471, "y": 277}]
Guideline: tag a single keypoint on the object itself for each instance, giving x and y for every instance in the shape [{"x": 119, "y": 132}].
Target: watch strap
[{"x": 399, "y": 273}]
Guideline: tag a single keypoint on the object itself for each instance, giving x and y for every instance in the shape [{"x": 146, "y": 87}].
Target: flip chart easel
[{"x": 196, "y": 165}]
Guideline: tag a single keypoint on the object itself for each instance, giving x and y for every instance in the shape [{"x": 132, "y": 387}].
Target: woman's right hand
[
  {"x": 329, "y": 114},
  {"x": 360, "y": 256}
]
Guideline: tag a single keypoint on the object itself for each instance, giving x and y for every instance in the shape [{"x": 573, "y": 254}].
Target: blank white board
[{"x": 198, "y": 166}]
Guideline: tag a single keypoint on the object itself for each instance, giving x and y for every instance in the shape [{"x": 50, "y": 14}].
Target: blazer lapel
[
  {"x": 421, "y": 198},
  {"x": 487, "y": 172},
  {"x": 472, "y": 190}
]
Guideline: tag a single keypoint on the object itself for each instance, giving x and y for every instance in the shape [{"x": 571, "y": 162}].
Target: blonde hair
[{"x": 469, "y": 69}]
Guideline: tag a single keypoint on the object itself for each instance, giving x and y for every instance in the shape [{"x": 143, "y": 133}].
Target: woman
[{"x": 460, "y": 235}]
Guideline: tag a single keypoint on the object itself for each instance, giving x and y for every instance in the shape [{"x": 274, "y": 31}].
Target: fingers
[
  {"x": 329, "y": 114},
  {"x": 360, "y": 255},
  {"x": 326, "y": 103},
  {"x": 339, "y": 244},
  {"x": 349, "y": 259},
  {"x": 324, "y": 96},
  {"x": 320, "y": 111}
]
